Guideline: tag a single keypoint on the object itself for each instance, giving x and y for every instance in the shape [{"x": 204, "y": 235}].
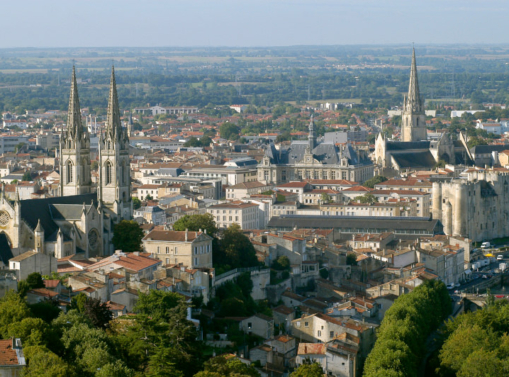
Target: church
[
  {"x": 414, "y": 151},
  {"x": 82, "y": 218}
]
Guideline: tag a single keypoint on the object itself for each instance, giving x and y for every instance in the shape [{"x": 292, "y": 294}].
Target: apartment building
[
  {"x": 187, "y": 248},
  {"x": 244, "y": 214}
]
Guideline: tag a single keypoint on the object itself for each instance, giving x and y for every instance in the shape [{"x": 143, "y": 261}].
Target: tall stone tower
[
  {"x": 312, "y": 136},
  {"x": 75, "y": 178},
  {"x": 114, "y": 175},
  {"x": 413, "y": 117}
]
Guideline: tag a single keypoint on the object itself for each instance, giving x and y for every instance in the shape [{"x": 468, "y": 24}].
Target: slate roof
[
  {"x": 406, "y": 145},
  {"x": 5, "y": 249},
  {"x": 356, "y": 224},
  {"x": 34, "y": 209},
  {"x": 484, "y": 149},
  {"x": 327, "y": 154},
  {"x": 415, "y": 159}
]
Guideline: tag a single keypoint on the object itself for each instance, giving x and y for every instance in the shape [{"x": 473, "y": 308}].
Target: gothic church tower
[
  {"x": 114, "y": 175},
  {"x": 413, "y": 117},
  {"x": 75, "y": 178}
]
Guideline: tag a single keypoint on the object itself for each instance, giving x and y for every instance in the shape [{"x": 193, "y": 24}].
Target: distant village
[{"x": 344, "y": 217}]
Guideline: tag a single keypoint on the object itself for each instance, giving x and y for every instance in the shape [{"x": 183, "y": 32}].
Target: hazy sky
[{"x": 143, "y": 23}]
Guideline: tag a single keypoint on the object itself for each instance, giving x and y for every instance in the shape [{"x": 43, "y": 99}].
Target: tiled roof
[
  {"x": 7, "y": 353},
  {"x": 312, "y": 349}
]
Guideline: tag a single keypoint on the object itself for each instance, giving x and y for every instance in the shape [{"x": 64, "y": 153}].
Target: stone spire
[
  {"x": 312, "y": 137},
  {"x": 413, "y": 100},
  {"x": 39, "y": 227},
  {"x": 113, "y": 124},
  {"x": 74, "y": 126}
]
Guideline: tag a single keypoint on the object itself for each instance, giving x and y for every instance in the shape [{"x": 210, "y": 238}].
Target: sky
[{"x": 249, "y": 23}]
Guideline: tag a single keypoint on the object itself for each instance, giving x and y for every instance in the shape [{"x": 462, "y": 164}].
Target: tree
[
  {"x": 235, "y": 249},
  {"x": 192, "y": 142},
  {"x": 41, "y": 362},
  {"x": 34, "y": 280},
  {"x": 308, "y": 370},
  {"x": 157, "y": 304},
  {"x": 282, "y": 263},
  {"x": 366, "y": 198},
  {"x": 351, "y": 259},
  {"x": 136, "y": 203},
  {"x": 196, "y": 222},
  {"x": 127, "y": 236},
  {"x": 229, "y": 131},
  {"x": 221, "y": 367},
  {"x": 149, "y": 197},
  {"x": 47, "y": 310},
  {"x": 475, "y": 141},
  {"x": 375, "y": 180},
  {"x": 94, "y": 166},
  {"x": 326, "y": 198},
  {"x": 78, "y": 302},
  {"x": 27, "y": 177},
  {"x": 13, "y": 308},
  {"x": 98, "y": 312}
]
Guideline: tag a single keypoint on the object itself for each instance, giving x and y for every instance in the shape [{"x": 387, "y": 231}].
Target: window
[
  {"x": 123, "y": 172},
  {"x": 158, "y": 250},
  {"x": 69, "y": 172},
  {"x": 176, "y": 252},
  {"x": 167, "y": 260},
  {"x": 109, "y": 172},
  {"x": 331, "y": 334},
  {"x": 298, "y": 324},
  {"x": 319, "y": 333},
  {"x": 249, "y": 325},
  {"x": 306, "y": 324},
  {"x": 195, "y": 250},
  {"x": 167, "y": 250},
  {"x": 333, "y": 175},
  {"x": 195, "y": 261}
]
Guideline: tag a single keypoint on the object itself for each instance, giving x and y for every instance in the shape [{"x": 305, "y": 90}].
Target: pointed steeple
[
  {"x": 74, "y": 126},
  {"x": 413, "y": 100},
  {"x": 39, "y": 227},
  {"x": 113, "y": 124}
]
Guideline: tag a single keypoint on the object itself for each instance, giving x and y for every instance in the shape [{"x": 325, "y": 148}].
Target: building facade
[{"x": 309, "y": 160}]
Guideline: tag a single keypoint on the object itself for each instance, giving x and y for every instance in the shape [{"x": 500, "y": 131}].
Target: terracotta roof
[
  {"x": 312, "y": 349},
  {"x": 7, "y": 353},
  {"x": 51, "y": 283},
  {"x": 43, "y": 292},
  {"x": 294, "y": 184}
]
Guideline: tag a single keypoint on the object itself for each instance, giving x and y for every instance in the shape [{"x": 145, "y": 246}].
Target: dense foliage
[
  {"x": 401, "y": 342},
  {"x": 127, "y": 236},
  {"x": 476, "y": 343}
]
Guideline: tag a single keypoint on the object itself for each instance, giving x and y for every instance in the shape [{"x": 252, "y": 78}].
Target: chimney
[{"x": 186, "y": 234}]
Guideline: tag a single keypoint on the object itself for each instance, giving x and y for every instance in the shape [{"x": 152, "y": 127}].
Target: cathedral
[
  {"x": 414, "y": 151},
  {"x": 82, "y": 218}
]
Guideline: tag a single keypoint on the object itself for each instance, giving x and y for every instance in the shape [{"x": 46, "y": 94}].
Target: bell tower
[
  {"x": 75, "y": 177},
  {"x": 413, "y": 118},
  {"x": 114, "y": 173}
]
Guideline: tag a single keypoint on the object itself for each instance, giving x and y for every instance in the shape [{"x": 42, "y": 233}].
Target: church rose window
[{"x": 4, "y": 218}]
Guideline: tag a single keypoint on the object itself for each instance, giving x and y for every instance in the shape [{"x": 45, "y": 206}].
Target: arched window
[
  {"x": 69, "y": 169},
  {"x": 123, "y": 172},
  {"x": 109, "y": 172},
  {"x": 84, "y": 165}
]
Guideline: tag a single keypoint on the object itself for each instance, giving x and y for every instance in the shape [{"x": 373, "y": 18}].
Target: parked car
[
  {"x": 485, "y": 245},
  {"x": 457, "y": 285},
  {"x": 500, "y": 257},
  {"x": 450, "y": 286}
]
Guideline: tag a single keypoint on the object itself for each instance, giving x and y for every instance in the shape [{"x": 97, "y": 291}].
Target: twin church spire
[{"x": 114, "y": 178}]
